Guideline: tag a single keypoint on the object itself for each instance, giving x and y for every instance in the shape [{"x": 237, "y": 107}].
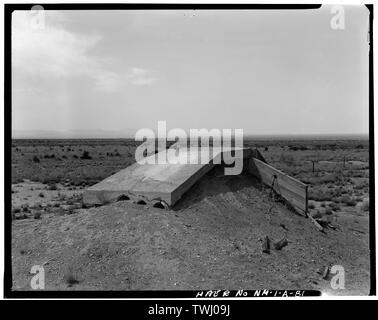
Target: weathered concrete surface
[{"x": 154, "y": 183}]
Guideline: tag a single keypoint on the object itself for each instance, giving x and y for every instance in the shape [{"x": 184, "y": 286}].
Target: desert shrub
[
  {"x": 287, "y": 159},
  {"x": 319, "y": 195},
  {"x": 365, "y": 205},
  {"x": 16, "y": 210},
  {"x": 75, "y": 156},
  {"x": 311, "y": 205},
  {"x": 37, "y": 205},
  {"x": 361, "y": 185},
  {"x": 70, "y": 279},
  {"x": 358, "y": 174},
  {"x": 21, "y": 216},
  {"x": 348, "y": 201},
  {"x": 334, "y": 206},
  {"x": 327, "y": 178},
  {"x": 85, "y": 155},
  {"x": 37, "y": 215},
  {"x": 52, "y": 187},
  {"x": 296, "y": 148},
  {"x": 41, "y": 195},
  {"x": 36, "y": 159}
]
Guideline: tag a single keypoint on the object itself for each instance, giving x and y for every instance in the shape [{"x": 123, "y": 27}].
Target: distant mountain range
[
  {"x": 130, "y": 134},
  {"x": 73, "y": 134}
]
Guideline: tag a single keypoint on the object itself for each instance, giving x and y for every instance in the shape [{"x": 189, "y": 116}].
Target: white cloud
[
  {"x": 107, "y": 81},
  {"x": 141, "y": 77},
  {"x": 53, "y": 51}
]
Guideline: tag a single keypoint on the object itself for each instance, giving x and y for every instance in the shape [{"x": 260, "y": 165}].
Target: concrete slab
[{"x": 156, "y": 183}]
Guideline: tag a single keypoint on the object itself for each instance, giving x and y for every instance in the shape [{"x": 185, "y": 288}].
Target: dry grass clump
[
  {"x": 334, "y": 206},
  {"x": 320, "y": 195},
  {"x": 85, "y": 155},
  {"x": 70, "y": 278},
  {"x": 287, "y": 159}
]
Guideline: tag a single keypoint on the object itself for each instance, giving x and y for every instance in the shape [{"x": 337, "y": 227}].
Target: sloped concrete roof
[{"x": 153, "y": 183}]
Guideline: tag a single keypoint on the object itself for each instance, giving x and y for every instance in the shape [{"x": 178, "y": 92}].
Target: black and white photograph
[{"x": 193, "y": 151}]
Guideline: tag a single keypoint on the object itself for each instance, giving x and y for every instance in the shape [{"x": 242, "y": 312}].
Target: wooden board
[{"x": 291, "y": 189}]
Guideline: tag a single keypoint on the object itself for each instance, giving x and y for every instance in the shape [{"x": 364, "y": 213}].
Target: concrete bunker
[{"x": 163, "y": 185}]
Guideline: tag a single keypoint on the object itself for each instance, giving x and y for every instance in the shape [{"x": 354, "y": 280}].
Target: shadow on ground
[{"x": 215, "y": 183}]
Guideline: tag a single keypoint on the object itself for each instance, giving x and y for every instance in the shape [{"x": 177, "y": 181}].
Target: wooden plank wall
[{"x": 291, "y": 189}]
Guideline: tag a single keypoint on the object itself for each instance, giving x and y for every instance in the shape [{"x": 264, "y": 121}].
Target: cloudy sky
[{"x": 267, "y": 72}]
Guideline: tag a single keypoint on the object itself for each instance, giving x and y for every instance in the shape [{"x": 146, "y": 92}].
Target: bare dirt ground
[{"x": 211, "y": 240}]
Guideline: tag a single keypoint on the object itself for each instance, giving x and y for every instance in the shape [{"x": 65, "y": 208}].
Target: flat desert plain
[{"x": 212, "y": 239}]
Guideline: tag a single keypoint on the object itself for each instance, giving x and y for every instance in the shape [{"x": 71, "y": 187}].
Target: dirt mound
[{"x": 211, "y": 240}]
